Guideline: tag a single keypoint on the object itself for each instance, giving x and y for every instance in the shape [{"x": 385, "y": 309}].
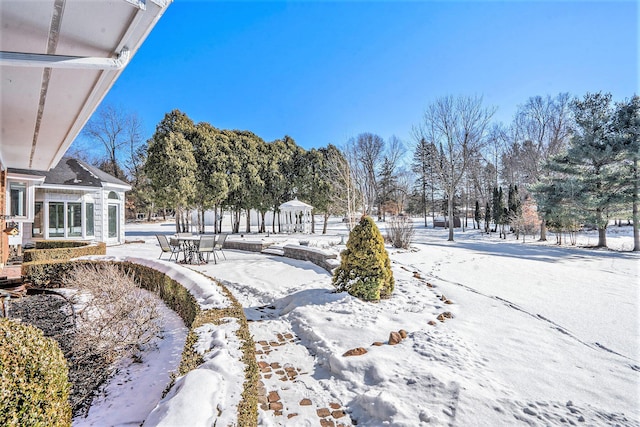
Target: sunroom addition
[{"x": 72, "y": 201}]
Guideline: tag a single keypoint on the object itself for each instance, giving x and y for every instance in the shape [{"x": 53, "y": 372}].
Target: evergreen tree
[
  {"x": 317, "y": 189},
  {"x": 627, "y": 128},
  {"x": 487, "y": 218},
  {"x": 592, "y": 160},
  {"x": 171, "y": 166},
  {"x": 514, "y": 209},
  {"x": 212, "y": 186},
  {"x": 477, "y": 215},
  {"x": 499, "y": 211},
  {"x": 365, "y": 268},
  {"x": 246, "y": 186}
]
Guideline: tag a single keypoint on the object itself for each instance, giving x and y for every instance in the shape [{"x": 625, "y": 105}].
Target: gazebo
[{"x": 297, "y": 216}]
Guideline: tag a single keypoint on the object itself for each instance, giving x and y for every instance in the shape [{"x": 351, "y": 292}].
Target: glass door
[{"x": 113, "y": 221}]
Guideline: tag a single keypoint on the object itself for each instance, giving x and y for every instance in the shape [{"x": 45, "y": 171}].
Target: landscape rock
[
  {"x": 323, "y": 412},
  {"x": 394, "y": 338},
  {"x": 358, "y": 351}
]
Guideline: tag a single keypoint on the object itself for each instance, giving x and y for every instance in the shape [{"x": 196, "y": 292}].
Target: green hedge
[
  {"x": 57, "y": 244},
  {"x": 67, "y": 250},
  {"x": 34, "y": 385},
  {"x": 176, "y": 296}
]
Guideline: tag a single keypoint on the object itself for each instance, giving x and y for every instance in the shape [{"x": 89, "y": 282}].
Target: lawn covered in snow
[{"x": 540, "y": 334}]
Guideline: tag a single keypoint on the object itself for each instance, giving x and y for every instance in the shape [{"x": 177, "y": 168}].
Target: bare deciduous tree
[
  {"x": 346, "y": 197},
  {"x": 458, "y": 126},
  {"x": 364, "y": 154},
  {"x": 540, "y": 130},
  {"x": 116, "y": 131}
]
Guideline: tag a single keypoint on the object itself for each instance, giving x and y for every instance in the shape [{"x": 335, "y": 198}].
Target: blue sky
[{"x": 323, "y": 72}]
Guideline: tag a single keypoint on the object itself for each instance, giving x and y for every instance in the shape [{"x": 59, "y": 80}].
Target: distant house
[
  {"x": 72, "y": 201},
  {"x": 444, "y": 222}
]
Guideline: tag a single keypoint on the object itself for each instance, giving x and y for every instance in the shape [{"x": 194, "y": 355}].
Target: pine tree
[
  {"x": 592, "y": 161},
  {"x": 500, "y": 213},
  {"x": 365, "y": 268},
  {"x": 515, "y": 209},
  {"x": 487, "y": 218},
  {"x": 627, "y": 127}
]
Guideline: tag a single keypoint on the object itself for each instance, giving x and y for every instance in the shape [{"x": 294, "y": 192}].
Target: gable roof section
[{"x": 74, "y": 172}]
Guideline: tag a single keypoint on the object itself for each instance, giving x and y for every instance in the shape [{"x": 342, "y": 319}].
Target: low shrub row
[
  {"x": 58, "y": 244},
  {"x": 171, "y": 292},
  {"x": 47, "y": 274},
  {"x": 62, "y": 250}
]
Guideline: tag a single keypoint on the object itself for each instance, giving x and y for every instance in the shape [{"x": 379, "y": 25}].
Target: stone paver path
[{"x": 290, "y": 391}]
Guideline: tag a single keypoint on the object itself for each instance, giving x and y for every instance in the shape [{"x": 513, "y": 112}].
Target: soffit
[{"x": 42, "y": 109}]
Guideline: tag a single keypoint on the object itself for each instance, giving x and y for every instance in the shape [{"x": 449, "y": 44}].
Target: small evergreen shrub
[
  {"x": 365, "y": 268},
  {"x": 34, "y": 385}
]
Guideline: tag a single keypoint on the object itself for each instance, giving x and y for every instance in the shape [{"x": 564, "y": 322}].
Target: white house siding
[{"x": 99, "y": 217}]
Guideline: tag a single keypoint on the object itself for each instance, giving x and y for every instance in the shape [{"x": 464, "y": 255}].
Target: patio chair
[
  {"x": 166, "y": 247},
  {"x": 220, "y": 243},
  {"x": 186, "y": 234},
  {"x": 207, "y": 246}
]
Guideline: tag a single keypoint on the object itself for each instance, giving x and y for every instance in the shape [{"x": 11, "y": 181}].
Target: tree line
[{"x": 562, "y": 163}]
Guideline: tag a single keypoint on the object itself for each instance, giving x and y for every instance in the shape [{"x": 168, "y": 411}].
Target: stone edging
[
  {"x": 327, "y": 260},
  {"x": 322, "y": 258}
]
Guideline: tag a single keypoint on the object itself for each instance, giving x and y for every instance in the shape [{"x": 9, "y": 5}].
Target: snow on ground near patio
[
  {"x": 137, "y": 387},
  {"x": 541, "y": 335}
]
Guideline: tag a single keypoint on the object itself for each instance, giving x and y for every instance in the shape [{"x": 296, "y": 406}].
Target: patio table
[{"x": 190, "y": 246}]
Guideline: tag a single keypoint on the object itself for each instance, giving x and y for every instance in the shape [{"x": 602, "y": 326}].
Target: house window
[
  {"x": 36, "y": 230},
  {"x": 113, "y": 195},
  {"x": 113, "y": 221},
  {"x": 89, "y": 219},
  {"x": 74, "y": 219},
  {"x": 18, "y": 198},
  {"x": 56, "y": 219}
]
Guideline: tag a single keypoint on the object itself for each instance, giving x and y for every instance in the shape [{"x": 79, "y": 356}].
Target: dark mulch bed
[{"x": 53, "y": 314}]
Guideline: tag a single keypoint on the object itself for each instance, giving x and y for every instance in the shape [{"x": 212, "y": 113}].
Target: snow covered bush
[
  {"x": 34, "y": 386},
  {"x": 400, "y": 231},
  {"x": 365, "y": 269}
]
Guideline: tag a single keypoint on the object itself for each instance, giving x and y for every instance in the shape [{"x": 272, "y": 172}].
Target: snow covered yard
[{"x": 540, "y": 335}]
